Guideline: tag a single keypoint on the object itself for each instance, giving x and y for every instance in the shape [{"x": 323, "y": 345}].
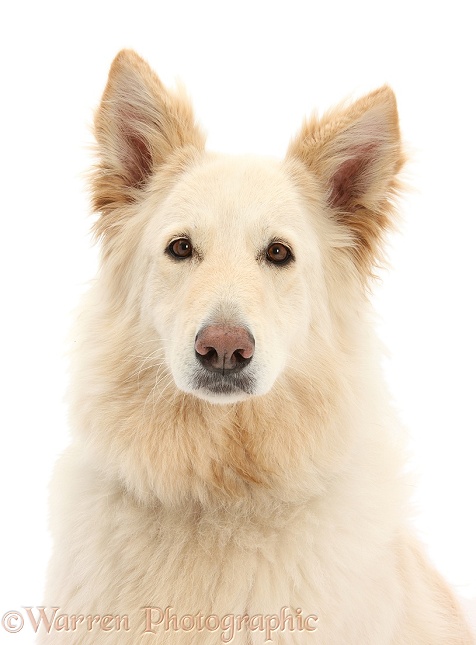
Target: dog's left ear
[{"x": 355, "y": 154}]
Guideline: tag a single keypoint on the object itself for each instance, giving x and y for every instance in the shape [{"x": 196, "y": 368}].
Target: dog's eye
[
  {"x": 278, "y": 253},
  {"x": 181, "y": 248}
]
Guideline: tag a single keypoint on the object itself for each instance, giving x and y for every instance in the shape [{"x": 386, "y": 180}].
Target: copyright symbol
[{"x": 12, "y": 622}]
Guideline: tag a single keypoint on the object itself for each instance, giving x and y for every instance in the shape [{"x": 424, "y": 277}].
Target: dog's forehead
[{"x": 232, "y": 190}]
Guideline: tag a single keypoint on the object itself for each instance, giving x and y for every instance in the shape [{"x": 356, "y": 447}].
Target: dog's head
[{"x": 228, "y": 259}]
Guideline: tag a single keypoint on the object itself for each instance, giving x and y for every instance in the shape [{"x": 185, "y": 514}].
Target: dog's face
[
  {"x": 237, "y": 262},
  {"x": 227, "y": 249}
]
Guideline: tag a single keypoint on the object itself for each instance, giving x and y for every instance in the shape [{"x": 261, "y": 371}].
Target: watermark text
[{"x": 155, "y": 620}]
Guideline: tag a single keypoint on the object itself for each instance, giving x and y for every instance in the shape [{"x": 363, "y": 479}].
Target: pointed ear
[
  {"x": 355, "y": 154},
  {"x": 138, "y": 126}
]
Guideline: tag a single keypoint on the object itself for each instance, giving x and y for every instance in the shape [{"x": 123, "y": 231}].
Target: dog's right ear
[{"x": 138, "y": 126}]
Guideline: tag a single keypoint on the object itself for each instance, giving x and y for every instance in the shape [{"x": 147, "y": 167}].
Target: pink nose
[{"x": 223, "y": 348}]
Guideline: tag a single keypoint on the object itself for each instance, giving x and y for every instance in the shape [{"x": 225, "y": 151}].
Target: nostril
[
  {"x": 240, "y": 356},
  {"x": 246, "y": 353},
  {"x": 211, "y": 355}
]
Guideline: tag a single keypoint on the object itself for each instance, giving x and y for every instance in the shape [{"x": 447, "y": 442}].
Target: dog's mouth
[{"x": 219, "y": 384}]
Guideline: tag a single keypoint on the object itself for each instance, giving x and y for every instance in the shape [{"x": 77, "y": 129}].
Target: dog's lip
[{"x": 218, "y": 383}]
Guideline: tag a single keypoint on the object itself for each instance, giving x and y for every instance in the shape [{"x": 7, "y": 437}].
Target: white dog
[{"x": 236, "y": 468}]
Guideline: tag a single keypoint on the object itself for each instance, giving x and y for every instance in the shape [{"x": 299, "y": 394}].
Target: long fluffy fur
[{"x": 291, "y": 498}]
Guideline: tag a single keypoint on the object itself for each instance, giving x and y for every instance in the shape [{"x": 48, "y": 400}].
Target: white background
[{"x": 254, "y": 70}]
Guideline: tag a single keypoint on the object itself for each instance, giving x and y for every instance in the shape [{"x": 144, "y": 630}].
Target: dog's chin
[{"x": 220, "y": 398}]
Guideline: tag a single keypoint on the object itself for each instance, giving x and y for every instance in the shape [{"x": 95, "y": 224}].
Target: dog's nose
[{"x": 223, "y": 348}]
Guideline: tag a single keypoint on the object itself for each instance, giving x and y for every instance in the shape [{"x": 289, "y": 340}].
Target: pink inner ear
[
  {"x": 134, "y": 153},
  {"x": 348, "y": 183},
  {"x": 136, "y": 159}
]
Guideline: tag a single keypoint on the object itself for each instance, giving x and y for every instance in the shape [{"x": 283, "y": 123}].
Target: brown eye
[
  {"x": 278, "y": 253},
  {"x": 181, "y": 248}
]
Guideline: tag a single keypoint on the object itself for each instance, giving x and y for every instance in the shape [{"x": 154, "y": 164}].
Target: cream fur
[{"x": 292, "y": 495}]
